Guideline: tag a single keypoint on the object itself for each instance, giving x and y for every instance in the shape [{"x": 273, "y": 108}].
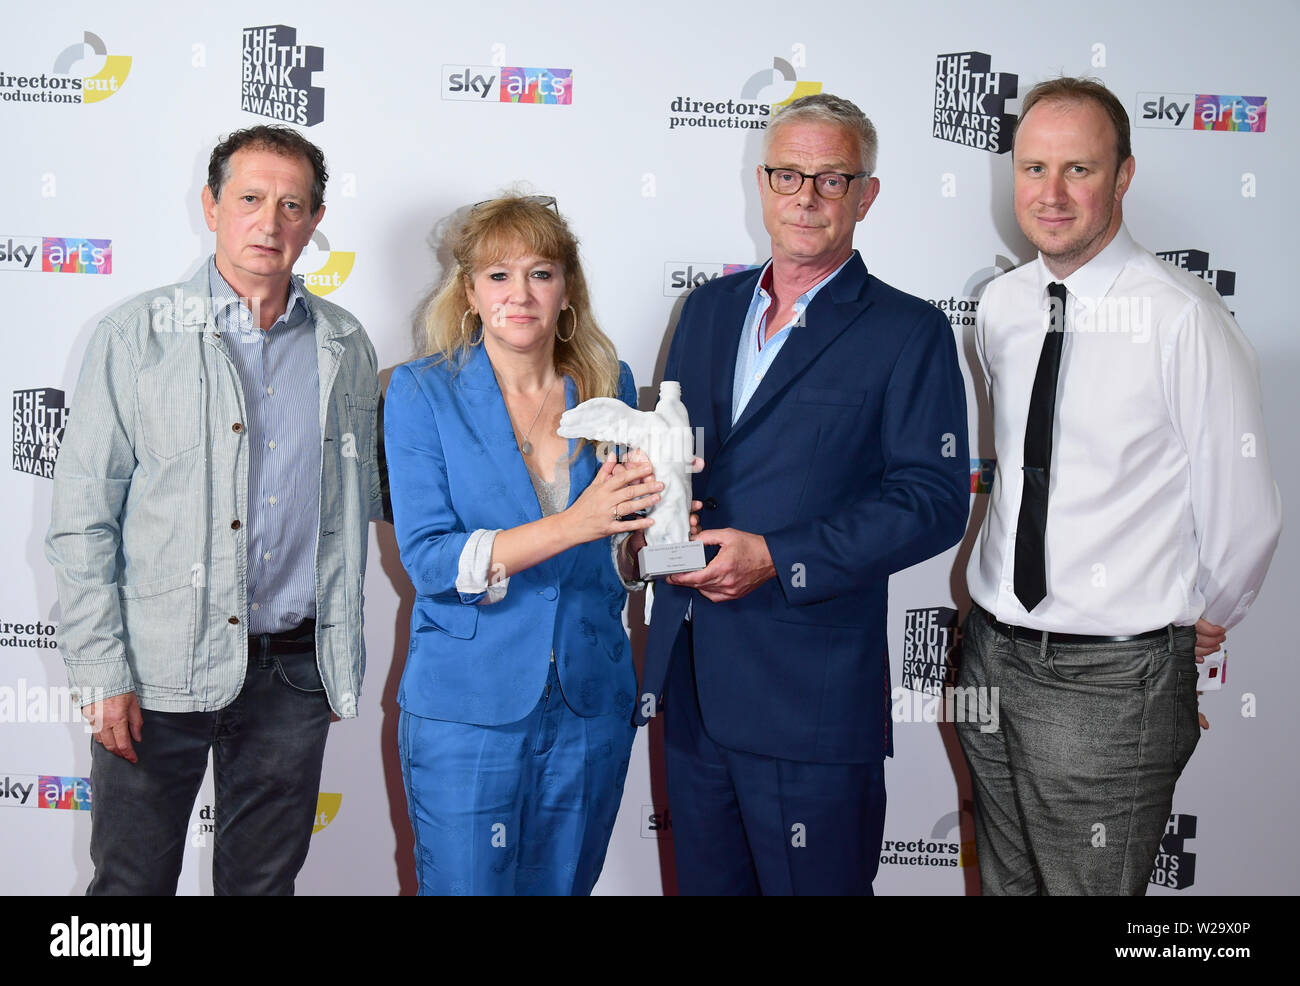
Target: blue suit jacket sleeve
[
  {"x": 429, "y": 534},
  {"x": 924, "y": 494}
]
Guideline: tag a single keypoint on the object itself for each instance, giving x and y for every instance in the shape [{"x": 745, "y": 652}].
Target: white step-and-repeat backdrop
[{"x": 645, "y": 122}]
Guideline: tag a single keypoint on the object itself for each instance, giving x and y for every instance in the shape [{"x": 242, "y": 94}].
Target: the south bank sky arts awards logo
[
  {"x": 277, "y": 76},
  {"x": 39, "y": 420},
  {"x": 45, "y": 791},
  {"x": 970, "y": 101},
  {"x": 83, "y": 72},
  {"x": 761, "y": 97}
]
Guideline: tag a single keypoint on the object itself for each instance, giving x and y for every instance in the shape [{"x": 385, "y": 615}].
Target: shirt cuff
[
  {"x": 615, "y": 546},
  {"x": 474, "y": 569}
]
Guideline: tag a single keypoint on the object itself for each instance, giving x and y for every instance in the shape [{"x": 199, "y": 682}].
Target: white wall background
[{"x": 641, "y": 196}]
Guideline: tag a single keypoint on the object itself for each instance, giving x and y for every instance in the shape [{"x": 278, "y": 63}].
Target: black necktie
[{"x": 1031, "y": 529}]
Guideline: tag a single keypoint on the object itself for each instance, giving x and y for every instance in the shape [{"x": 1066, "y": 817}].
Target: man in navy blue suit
[{"x": 834, "y": 422}]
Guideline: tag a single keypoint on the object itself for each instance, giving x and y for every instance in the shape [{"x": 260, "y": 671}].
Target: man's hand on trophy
[
  {"x": 742, "y": 564},
  {"x": 696, "y": 507}
]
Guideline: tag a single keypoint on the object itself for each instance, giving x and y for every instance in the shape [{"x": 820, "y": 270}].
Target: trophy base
[{"x": 658, "y": 560}]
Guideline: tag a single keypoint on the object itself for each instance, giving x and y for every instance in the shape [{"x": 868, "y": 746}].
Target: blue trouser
[
  {"x": 267, "y": 747},
  {"x": 524, "y": 808},
  {"x": 1073, "y": 789},
  {"x": 745, "y": 824}
]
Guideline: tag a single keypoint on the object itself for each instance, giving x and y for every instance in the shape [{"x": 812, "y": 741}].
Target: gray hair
[{"x": 822, "y": 107}]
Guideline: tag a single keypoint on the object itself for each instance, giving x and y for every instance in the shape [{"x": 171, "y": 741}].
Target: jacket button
[
  {"x": 234, "y": 525},
  {"x": 710, "y": 503},
  {"x": 549, "y": 592},
  {"x": 237, "y": 427},
  {"x": 233, "y": 621}
]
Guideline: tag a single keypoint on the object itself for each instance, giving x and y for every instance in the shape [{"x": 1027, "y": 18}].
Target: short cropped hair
[
  {"x": 1069, "y": 89},
  {"x": 284, "y": 141},
  {"x": 822, "y": 107}
]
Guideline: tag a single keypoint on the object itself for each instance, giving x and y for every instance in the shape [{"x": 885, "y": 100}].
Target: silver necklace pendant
[{"x": 527, "y": 447}]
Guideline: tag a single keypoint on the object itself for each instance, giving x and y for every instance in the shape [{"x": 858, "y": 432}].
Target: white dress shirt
[{"x": 1162, "y": 506}]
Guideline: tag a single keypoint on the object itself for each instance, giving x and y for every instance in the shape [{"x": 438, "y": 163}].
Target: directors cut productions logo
[
  {"x": 277, "y": 76},
  {"x": 59, "y": 254},
  {"x": 1175, "y": 866},
  {"x": 61, "y": 85},
  {"x": 45, "y": 791},
  {"x": 508, "y": 84},
  {"x": 970, "y": 100},
  {"x": 752, "y": 110},
  {"x": 1192, "y": 111},
  {"x": 681, "y": 278},
  {"x": 333, "y": 271},
  {"x": 938, "y": 849},
  {"x": 40, "y": 418}
]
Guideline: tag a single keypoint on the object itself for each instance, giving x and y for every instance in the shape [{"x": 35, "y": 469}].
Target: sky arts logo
[
  {"x": 277, "y": 76},
  {"x": 1189, "y": 111},
  {"x": 508, "y": 84},
  {"x": 334, "y": 269},
  {"x": 40, "y": 418},
  {"x": 58, "y": 254},
  {"x": 762, "y": 96},
  {"x": 1175, "y": 866},
  {"x": 62, "y": 86},
  {"x": 656, "y": 823},
  {"x": 682, "y": 278},
  {"x": 969, "y": 99},
  {"x": 45, "y": 791},
  {"x": 981, "y": 475}
]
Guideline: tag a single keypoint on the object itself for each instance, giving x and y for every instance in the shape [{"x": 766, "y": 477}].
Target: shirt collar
[
  {"x": 805, "y": 299},
  {"x": 224, "y": 296},
  {"x": 1095, "y": 278}
]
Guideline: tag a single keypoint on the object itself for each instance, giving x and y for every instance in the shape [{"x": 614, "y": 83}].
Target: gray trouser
[{"x": 1073, "y": 789}]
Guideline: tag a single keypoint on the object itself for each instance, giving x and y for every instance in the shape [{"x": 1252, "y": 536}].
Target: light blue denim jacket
[{"x": 146, "y": 535}]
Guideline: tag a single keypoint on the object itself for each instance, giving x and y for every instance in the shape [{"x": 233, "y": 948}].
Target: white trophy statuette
[{"x": 664, "y": 435}]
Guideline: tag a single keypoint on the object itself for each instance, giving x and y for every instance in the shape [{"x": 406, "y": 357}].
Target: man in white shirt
[{"x": 1132, "y": 518}]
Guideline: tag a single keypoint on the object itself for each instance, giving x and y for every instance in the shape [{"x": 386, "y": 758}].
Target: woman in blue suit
[{"x": 519, "y": 687}]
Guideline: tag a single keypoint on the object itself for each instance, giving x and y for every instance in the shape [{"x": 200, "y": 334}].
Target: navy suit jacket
[
  {"x": 454, "y": 467},
  {"x": 851, "y": 460}
]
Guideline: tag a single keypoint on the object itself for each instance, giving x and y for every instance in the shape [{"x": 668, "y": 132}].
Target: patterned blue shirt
[
  {"x": 279, "y": 378},
  {"x": 754, "y": 356}
]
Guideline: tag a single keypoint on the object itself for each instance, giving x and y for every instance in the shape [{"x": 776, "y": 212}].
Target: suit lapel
[
  {"x": 833, "y": 311},
  {"x": 489, "y": 423},
  {"x": 732, "y": 309}
]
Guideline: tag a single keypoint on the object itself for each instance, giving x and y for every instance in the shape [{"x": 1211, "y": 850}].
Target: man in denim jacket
[{"x": 208, "y": 535}]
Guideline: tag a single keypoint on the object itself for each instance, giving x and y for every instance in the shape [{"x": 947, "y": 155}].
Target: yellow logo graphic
[
  {"x": 801, "y": 89},
  {"x": 111, "y": 75},
  {"x": 327, "y": 806},
  {"x": 781, "y": 70},
  {"x": 338, "y": 265}
]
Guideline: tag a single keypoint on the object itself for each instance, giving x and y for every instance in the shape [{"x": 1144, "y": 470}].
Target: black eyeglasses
[
  {"x": 829, "y": 184},
  {"x": 545, "y": 201}
]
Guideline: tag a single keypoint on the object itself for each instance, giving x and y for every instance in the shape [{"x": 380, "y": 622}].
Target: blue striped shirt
[
  {"x": 753, "y": 355},
  {"x": 278, "y": 375}
]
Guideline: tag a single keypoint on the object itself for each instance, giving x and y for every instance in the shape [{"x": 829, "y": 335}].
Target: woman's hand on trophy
[{"x": 617, "y": 490}]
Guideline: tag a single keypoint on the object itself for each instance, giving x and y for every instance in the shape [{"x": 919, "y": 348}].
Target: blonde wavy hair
[{"x": 495, "y": 231}]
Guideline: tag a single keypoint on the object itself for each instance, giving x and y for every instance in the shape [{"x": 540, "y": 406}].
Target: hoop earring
[
  {"x": 573, "y": 331},
  {"x": 472, "y": 342}
]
